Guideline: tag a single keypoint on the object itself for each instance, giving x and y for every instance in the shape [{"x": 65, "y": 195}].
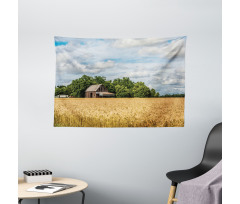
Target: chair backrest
[{"x": 213, "y": 149}]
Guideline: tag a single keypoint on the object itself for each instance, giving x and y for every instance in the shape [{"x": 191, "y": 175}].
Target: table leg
[
  {"x": 83, "y": 196},
  {"x": 20, "y": 201},
  {"x": 38, "y": 200}
]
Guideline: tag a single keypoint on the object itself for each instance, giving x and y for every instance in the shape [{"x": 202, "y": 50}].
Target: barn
[{"x": 98, "y": 91}]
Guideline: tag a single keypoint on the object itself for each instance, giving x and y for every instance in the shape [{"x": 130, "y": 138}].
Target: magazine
[{"x": 50, "y": 187}]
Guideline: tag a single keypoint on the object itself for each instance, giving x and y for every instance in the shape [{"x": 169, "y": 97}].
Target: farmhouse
[{"x": 97, "y": 91}]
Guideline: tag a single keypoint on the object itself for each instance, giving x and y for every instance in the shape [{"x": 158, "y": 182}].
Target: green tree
[
  {"x": 173, "y": 95},
  {"x": 153, "y": 92},
  {"x": 140, "y": 90},
  {"x": 57, "y": 91},
  {"x": 68, "y": 90},
  {"x": 125, "y": 81},
  {"x": 122, "y": 91},
  {"x": 80, "y": 85},
  {"x": 99, "y": 80},
  {"x": 60, "y": 90},
  {"x": 109, "y": 85}
]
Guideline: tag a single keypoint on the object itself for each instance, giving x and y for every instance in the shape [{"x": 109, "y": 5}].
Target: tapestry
[{"x": 136, "y": 82}]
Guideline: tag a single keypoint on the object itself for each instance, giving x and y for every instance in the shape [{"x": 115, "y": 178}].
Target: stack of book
[
  {"x": 51, "y": 187},
  {"x": 37, "y": 176}
]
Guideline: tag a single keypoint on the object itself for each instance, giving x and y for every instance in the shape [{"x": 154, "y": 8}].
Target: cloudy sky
[{"x": 159, "y": 63}]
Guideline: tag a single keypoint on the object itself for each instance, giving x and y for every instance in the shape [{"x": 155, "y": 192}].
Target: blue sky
[{"x": 159, "y": 63}]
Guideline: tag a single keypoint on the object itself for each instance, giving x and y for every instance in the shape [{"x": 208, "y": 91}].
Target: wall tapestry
[{"x": 119, "y": 82}]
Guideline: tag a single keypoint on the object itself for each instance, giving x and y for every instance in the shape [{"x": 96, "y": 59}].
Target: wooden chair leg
[{"x": 171, "y": 197}]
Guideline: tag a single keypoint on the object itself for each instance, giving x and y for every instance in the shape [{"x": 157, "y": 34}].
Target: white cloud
[
  {"x": 173, "y": 81},
  {"x": 170, "y": 50},
  {"x": 126, "y": 43},
  {"x": 171, "y": 76},
  {"x": 75, "y": 59},
  {"x": 138, "y": 74},
  {"x": 74, "y": 67},
  {"x": 150, "y": 51},
  {"x": 104, "y": 65}
]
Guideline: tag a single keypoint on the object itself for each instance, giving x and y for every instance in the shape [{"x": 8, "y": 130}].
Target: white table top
[{"x": 24, "y": 194}]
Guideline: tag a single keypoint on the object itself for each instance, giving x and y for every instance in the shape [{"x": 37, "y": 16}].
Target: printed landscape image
[{"x": 119, "y": 82}]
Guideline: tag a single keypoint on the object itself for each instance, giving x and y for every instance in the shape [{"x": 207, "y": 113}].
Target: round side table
[{"x": 24, "y": 194}]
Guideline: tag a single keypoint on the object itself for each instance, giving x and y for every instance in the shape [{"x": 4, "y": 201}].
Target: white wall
[{"x": 126, "y": 165}]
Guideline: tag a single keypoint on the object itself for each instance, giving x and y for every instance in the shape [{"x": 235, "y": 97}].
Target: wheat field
[{"x": 119, "y": 112}]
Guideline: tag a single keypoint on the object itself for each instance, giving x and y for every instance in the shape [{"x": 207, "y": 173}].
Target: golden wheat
[{"x": 119, "y": 112}]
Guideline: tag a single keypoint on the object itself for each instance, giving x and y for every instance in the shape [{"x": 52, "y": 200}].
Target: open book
[{"x": 50, "y": 187}]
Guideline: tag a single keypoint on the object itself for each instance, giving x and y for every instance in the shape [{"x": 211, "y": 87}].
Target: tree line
[{"x": 122, "y": 88}]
